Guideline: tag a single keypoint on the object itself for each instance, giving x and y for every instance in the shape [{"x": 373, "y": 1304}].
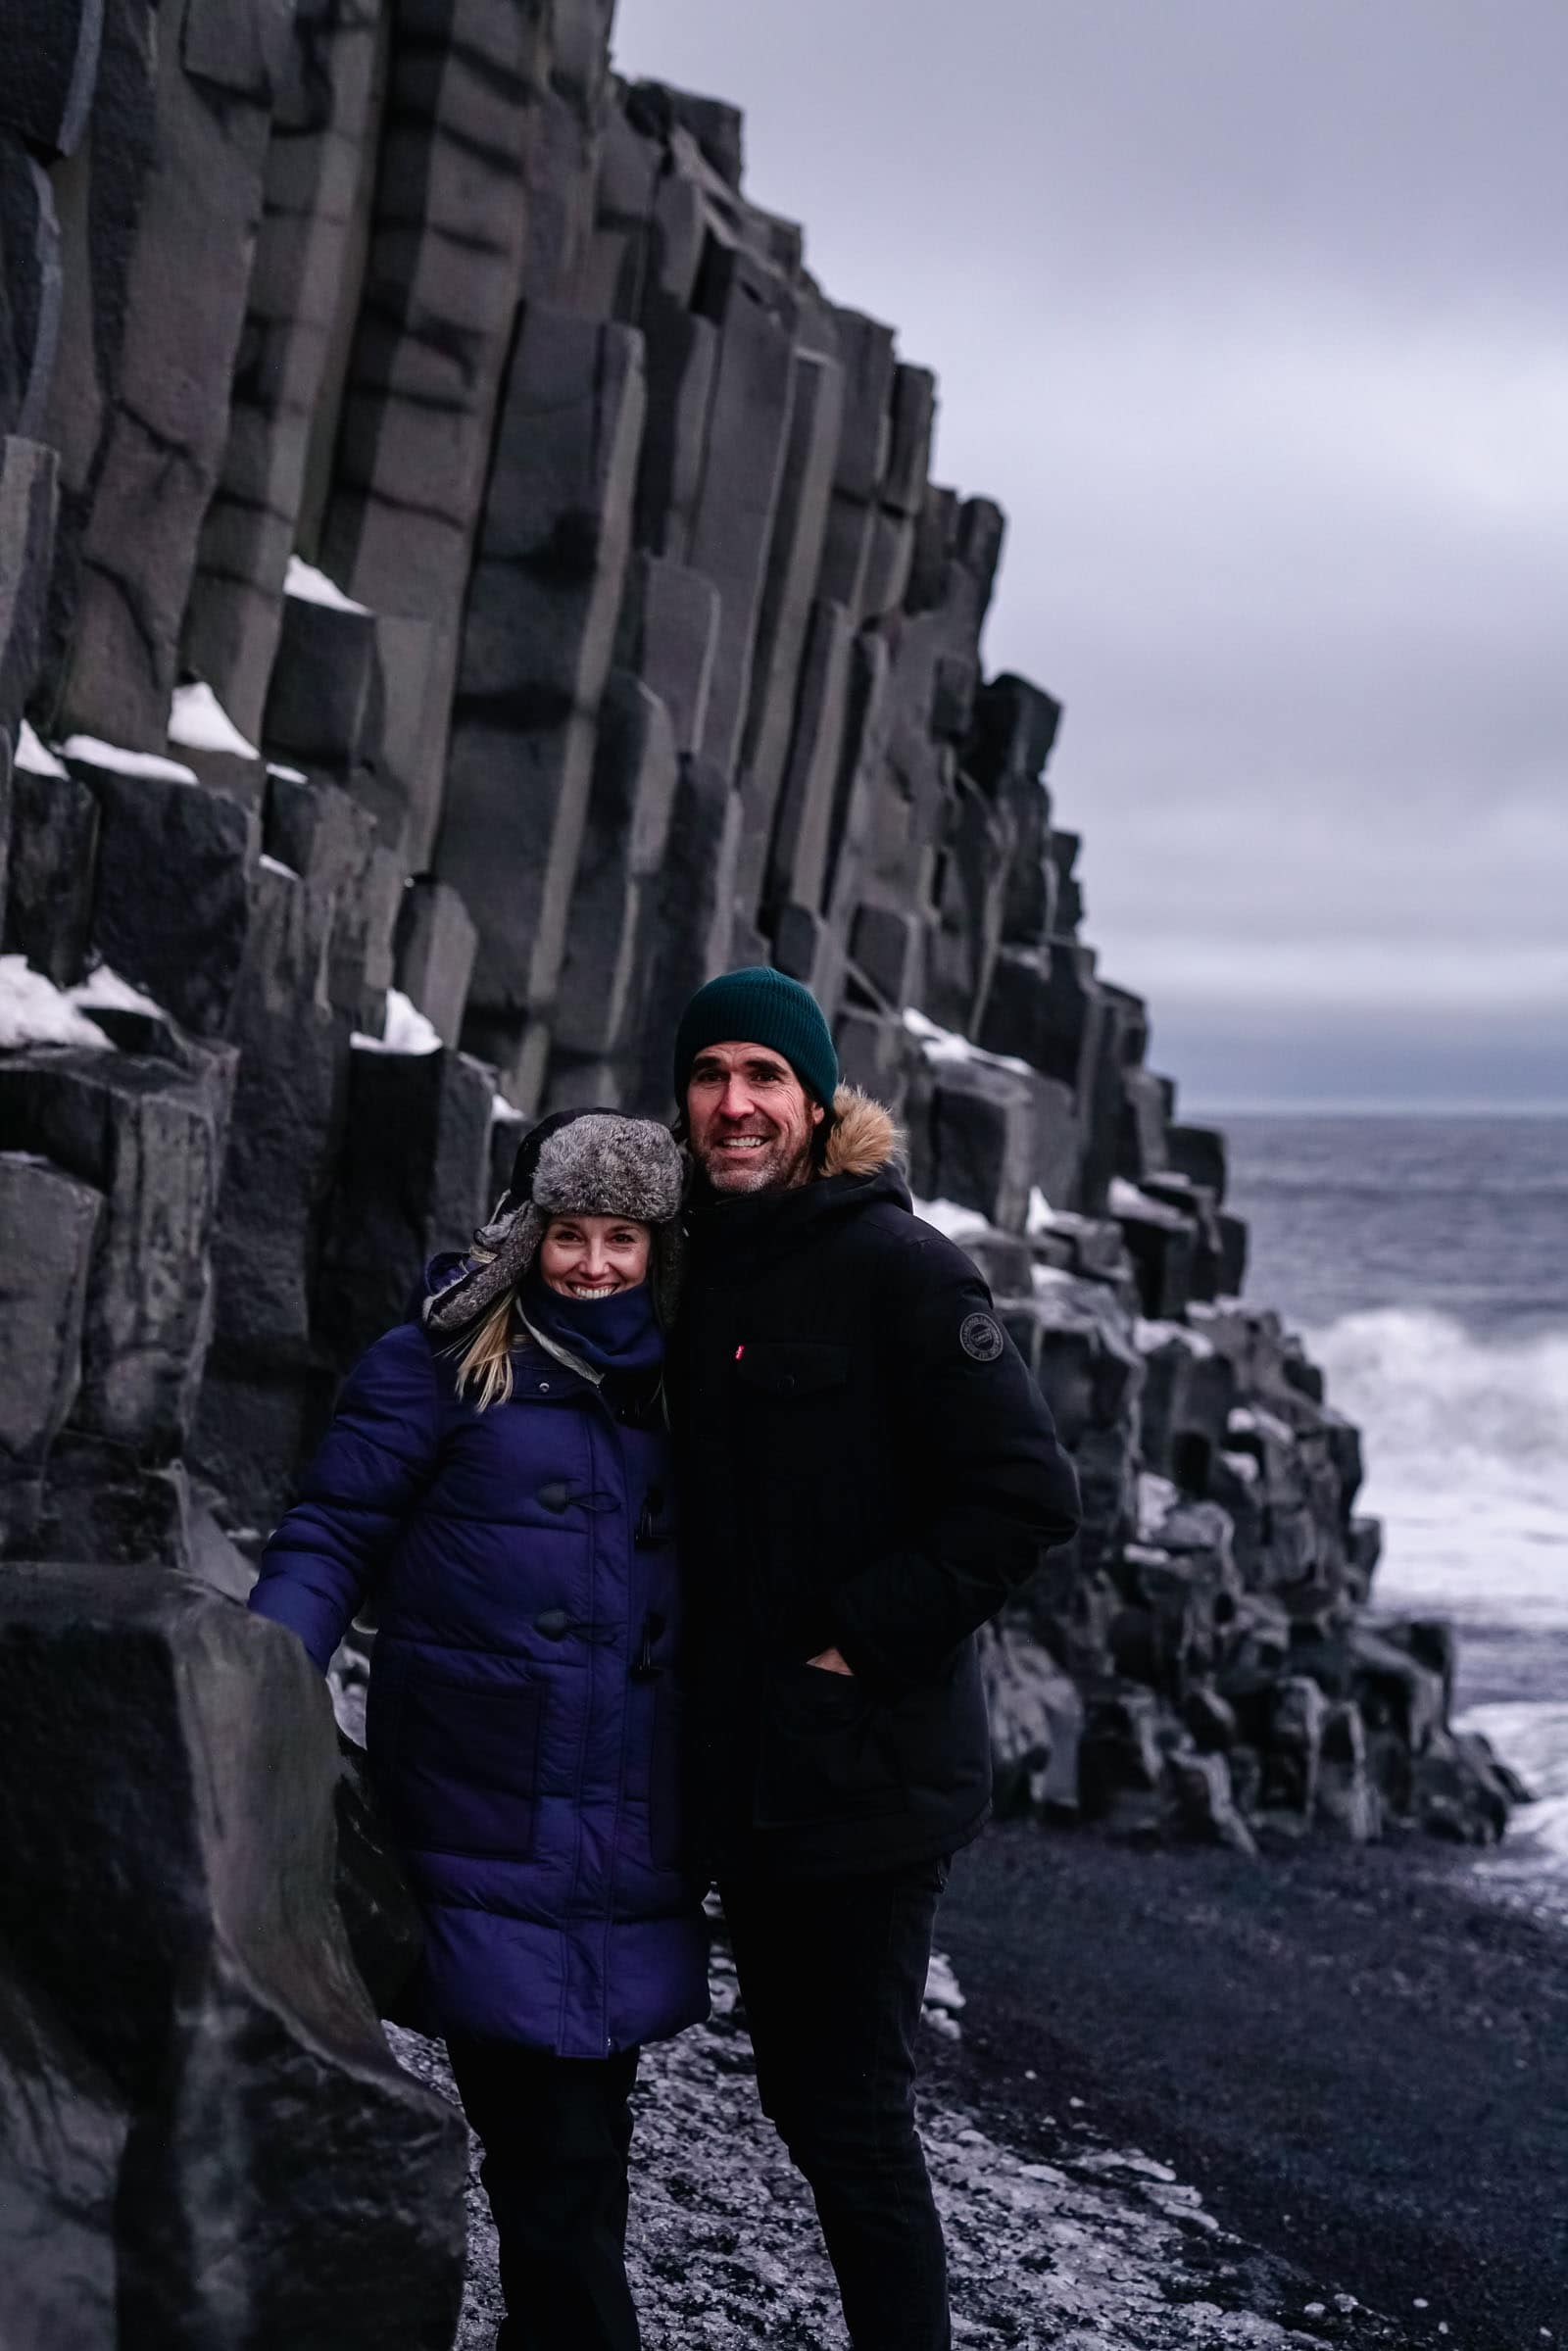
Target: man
[{"x": 867, "y": 1472}]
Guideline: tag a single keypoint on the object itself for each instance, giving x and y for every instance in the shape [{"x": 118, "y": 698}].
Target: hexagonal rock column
[
  {"x": 448, "y": 236},
  {"x": 610, "y": 936},
  {"x": 148, "y": 1133},
  {"x": 412, "y": 1180},
  {"x": 221, "y": 2148},
  {"x": 171, "y": 900},
  {"x": 537, "y": 640},
  {"x": 30, "y": 318},
  {"x": 162, "y": 442},
  {"x": 302, "y": 297}
]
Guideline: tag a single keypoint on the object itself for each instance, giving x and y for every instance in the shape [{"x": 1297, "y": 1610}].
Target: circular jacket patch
[{"x": 980, "y": 1336}]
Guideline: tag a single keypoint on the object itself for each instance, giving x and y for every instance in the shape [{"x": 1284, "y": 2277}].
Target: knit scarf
[{"x": 617, "y": 1338}]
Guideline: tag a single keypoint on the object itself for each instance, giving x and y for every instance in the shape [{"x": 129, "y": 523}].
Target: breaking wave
[{"x": 1467, "y": 1462}]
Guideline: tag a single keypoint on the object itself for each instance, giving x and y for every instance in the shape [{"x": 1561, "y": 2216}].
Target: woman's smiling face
[{"x": 594, "y": 1256}]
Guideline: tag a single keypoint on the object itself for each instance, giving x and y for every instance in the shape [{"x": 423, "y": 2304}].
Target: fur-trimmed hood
[{"x": 865, "y": 1138}]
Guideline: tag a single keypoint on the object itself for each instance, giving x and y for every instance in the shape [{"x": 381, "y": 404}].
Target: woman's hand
[{"x": 830, "y": 1662}]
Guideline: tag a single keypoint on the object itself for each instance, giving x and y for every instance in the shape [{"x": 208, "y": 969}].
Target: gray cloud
[{"x": 1251, "y": 316}]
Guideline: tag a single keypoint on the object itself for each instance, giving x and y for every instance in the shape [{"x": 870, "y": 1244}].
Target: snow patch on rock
[
  {"x": 34, "y": 1012},
  {"x": 146, "y": 763},
  {"x": 35, "y": 756},
  {"x": 958, "y": 1224},
  {"x": 940, "y": 1045},
  {"x": 198, "y": 721},
  {"x": 311, "y": 586},
  {"x": 407, "y": 1030},
  {"x": 111, "y": 994}
]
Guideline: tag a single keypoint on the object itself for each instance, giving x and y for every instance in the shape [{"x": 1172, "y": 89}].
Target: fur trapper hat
[{"x": 574, "y": 1163}]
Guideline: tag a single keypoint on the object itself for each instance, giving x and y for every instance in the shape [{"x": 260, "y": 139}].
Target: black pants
[
  {"x": 832, "y": 1973},
  {"x": 557, "y": 2131}
]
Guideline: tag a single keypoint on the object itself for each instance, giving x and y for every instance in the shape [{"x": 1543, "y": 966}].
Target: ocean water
[{"x": 1425, "y": 1260}]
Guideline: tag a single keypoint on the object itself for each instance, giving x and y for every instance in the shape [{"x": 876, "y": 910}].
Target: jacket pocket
[
  {"x": 461, "y": 1775},
  {"x": 824, "y": 1752}
]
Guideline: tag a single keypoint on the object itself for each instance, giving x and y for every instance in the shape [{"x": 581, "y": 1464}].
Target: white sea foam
[{"x": 1467, "y": 1455}]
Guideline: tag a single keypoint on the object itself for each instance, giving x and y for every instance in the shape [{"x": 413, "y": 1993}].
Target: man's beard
[{"x": 772, "y": 1168}]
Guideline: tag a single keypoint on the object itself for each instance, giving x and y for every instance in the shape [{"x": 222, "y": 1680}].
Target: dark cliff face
[{"x": 476, "y": 584}]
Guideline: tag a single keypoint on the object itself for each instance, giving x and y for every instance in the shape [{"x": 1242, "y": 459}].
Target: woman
[{"x": 498, "y": 1474}]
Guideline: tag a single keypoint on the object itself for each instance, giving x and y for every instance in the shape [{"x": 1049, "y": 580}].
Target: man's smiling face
[{"x": 750, "y": 1120}]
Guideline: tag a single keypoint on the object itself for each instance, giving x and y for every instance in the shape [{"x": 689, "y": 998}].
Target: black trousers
[
  {"x": 832, "y": 1973},
  {"x": 557, "y": 2131}
]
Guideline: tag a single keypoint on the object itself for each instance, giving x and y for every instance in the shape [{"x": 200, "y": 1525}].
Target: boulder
[
  {"x": 412, "y": 1180},
  {"x": 1349, "y": 1804},
  {"x": 50, "y": 875},
  {"x": 1293, "y": 1757},
  {"x": 1068, "y": 909},
  {"x": 320, "y": 680},
  {"x": 1163, "y": 1243},
  {"x": 48, "y": 1225},
  {"x": 148, "y": 1135},
  {"x": 1199, "y": 1153},
  {"x": 98, "y": 1501},
  {"x": 1122, "y": 1761},
  {"x": 172, "y": 891},
  {"x": 1080, "y": 1349},
  {"x": 718, "y": 129},
  {"x": 63, "y": 2131},
  {"x": 167, "y": 1832},
  {"x": 1206, "y": 1807},
  {"x": 1036, "y": 1719}
]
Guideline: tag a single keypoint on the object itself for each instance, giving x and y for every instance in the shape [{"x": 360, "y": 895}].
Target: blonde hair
[{"x": 485, "y": 1365}]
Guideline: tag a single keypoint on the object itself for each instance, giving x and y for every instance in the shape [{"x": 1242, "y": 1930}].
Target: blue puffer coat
[{"x": 523, "y": 1709}]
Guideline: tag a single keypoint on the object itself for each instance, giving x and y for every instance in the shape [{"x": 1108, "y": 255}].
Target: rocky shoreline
[
  {"x": 1358, "y": 2058},
  {"x": 1055, "y": 2236}
]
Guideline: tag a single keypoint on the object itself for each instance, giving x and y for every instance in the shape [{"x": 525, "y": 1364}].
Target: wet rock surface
[{"x": 181, "y": 2018}]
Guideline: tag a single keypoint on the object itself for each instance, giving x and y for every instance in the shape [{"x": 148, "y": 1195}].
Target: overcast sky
[{"x": 1251, "y": 313}]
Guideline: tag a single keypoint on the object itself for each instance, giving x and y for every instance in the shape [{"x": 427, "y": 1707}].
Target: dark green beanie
[{"x": 760, "y": 1006}]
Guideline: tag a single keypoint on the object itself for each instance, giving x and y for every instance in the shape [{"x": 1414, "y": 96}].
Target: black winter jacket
[{"x": 866, "y": 1465}]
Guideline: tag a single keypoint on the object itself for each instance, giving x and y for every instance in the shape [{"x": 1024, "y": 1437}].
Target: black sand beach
[{"x": 1359, "y": 2061}]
